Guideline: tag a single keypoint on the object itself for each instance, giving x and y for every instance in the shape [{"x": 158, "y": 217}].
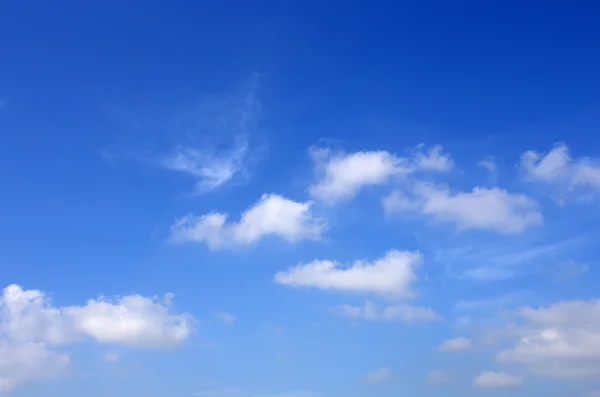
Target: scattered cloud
[
  {"x": 391, "y": 275},
  {"x": 488, "y": 164},
  {"x": 379, "y": 375},
  {"x": 271, "y": 215},
  {"x": 483, "y": 208},
  {"x": 497, "y": 380},
  {"x": 456, "y": 344},
  {"x": 341, "y": 176},
  {"x": 31, "y": 330},
  {"x": 558, "y": 169},
  {"x": 400, "y": 312},
  {"x": 438, "y": 377},
  {"x": 210, "y": 167},
  {"x": 225, "y": 317},
  {"x": 561, "y": 340}
]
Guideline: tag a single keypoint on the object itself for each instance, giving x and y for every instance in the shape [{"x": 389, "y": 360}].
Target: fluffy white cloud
[
  {"x": 132, "y": 320},
  {"x": 456, "y": 344},
  {"x": 437, "y": 377},
  {"x": 402, "y": 312},
  {"x": 379, "y": 375},
  {"x": 497, "y": 380},
  {"x": 31, "y": 328},
  {"x": 391, "y": 275},
  {"x": 560, "y": 341},
  {"x": 343, "y": 175},
  {"x": 482, "y": 208},
  {"x": 559, "y": 169},
  {"x": 271, "y": 215}
]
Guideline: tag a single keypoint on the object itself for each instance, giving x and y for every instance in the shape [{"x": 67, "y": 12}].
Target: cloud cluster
[
  {"x": 272, "y": 215},
  {"x": 558, "y": 341},
  {"x": 482, "y": 208},
  {"x": 341, "y": 175},
  {"x": 558, "y": 169},
  {"x": 32, "y": 331}
]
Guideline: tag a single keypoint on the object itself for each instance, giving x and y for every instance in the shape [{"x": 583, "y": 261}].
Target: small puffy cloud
[
  {"x": 391, "y": 275},
  {"x": 456, "y": 344},
  {"x": 341, "y": 176},
  {"x": 271, "y": 215},
  {"x": 400, "y": 312},
  {"x": 210, "y": 168},
  {"x": 378, "y": 376},
  {"x": 497, "y": 380},
  {"x": 225, "y": 317},
  {"x": 561, "y": 340},
  {"x": 438, "y": 377},
  {"x": 558, "y": 169},
  {"x": 483, "y": 208}
]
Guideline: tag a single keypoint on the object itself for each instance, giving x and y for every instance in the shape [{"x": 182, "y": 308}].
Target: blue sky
[{"x": 294, "y": 199}]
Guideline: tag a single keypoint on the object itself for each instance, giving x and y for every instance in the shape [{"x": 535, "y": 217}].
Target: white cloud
[
  {"x": 343, "y": 175},
  {"x": 560, "y": 170},
  {"x": 401, "y": 312},
  {"x": 391, "y": 275},
  {"x": 131, "y": 320},
  {"x": 456, "y": 344},
  {"x": 27, "y": 362},
  {"x": 211, "y": 168},
  {"x": 483, "y": 208},
  {"x": 497, "y": 380},
  {"x": 559, "y": 341},
  {"x": 225, "y": 317},
  {"x": 438, "y": 377},
  {"x": 380, "y": 375},
  {"x": 271, "y": 215},
  {"x": 30, "y": 326},
  {"x": 488, "y": 164}
]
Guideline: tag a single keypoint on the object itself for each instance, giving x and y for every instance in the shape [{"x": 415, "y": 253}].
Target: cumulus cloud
[
  {"x": 272, "y": 215},
  {"x": 391, "y": 275},
  {"x": 456, "y": 344},
  {"x": 341, "y": 175},
  {"x": 31, "y": 330},
  {"x": 400, "y": 312},
  {"x": 379, "y": 375},
  {"x": 497, "y": 380},
  {"x": 558, "y": 169},
  {"x": 483, "y": 208},
  {"x": 559, "y": 341}
]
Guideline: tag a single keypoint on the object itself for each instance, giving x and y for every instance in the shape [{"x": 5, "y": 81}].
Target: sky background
[{"x": 343, "y": 131}]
